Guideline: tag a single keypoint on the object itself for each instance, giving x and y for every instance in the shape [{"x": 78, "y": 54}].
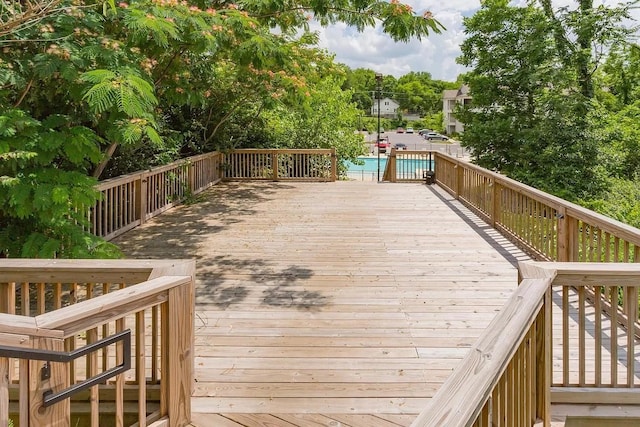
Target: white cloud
[
  {"x": 374, "y": 50},
  {"x": 435, "y": 54}
]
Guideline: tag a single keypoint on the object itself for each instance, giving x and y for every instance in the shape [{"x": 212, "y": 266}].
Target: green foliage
[
  {"x": 46, "y": 192},
  {"x": 102, "y": 90},
  {"x": 327, "y": 119},
  {"x": 526, "y": 119},
  {"x": 621, "y": 201}
]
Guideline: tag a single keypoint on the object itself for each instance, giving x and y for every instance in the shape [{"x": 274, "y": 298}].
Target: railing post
[
  {"x": 495, "y": 203},
  {"x": 334, "y": 165},
  {"x": 191, "y": 172},
  {"x": 459, "y": 179},
  {"x": 567, "y": 237},
  {"x": 7, "y": 298},
  {"x": 543, "y": 358},
  {"x": 4, "y": 391},
  {"x": 391, "y": 165},
  {"x": 177, "y": 374},
  {"x": 45, "y": 376},
  {"x": 141, "y": 197},
  {"x": 274, "y": 164}
]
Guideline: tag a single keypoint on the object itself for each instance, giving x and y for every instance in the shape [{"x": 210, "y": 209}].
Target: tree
[
  {"x": 583, "y": 36},
  {"x": 526, "y": 120},
  {"x": 162, "y": 78}
]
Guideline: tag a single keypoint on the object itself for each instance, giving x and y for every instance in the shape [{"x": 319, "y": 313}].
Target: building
[
  {"x": 451, "y": 98},
  {"x": 388, "y": 108}
]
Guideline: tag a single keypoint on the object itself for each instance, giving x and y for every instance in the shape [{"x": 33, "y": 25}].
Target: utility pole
[{"x": 379, "y": 88}]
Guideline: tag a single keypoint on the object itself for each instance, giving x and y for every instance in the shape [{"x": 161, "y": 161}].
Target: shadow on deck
[{"x": 342, "y": 303}]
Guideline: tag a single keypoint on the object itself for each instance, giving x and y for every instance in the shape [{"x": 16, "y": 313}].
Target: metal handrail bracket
[{"x": 49, "y": 397}]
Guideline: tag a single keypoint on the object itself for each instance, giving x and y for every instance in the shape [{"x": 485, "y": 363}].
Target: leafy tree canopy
[{"x": 93, "y": 88}]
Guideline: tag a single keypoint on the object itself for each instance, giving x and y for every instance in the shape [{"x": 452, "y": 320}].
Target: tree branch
[
  {"x": 103, "y": 164},
  {"x": 24, "y": 93}
]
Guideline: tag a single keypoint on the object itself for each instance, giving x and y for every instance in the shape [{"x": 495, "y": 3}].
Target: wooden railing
[
  {"x": 64, "y": 305},
  {"x": 546, "y": 227},
  {"x": 596, "y": 348},
  {"x": 519, "y": 366},
  {"x": 130, "y": 200},
  {"x": 408, "y": 166},
  {"x": 281, "y": 165}
]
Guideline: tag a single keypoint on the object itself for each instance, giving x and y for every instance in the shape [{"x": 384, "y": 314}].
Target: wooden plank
[
  {"x": 590, "y": 396},
  {"x": 425, "y": 388},
  {"x": 474, "y": 379},
  {"x": 372, "y": 254}
]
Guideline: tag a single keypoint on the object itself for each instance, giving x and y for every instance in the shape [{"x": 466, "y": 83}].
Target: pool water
[
  {"x": 370, "y": 164},
  {"x": 405, "y": 168}
]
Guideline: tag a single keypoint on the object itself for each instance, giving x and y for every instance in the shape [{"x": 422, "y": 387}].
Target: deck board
[{"x": 333, "y": 304}]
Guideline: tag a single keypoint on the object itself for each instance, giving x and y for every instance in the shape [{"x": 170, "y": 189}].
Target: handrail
[
  {"x": 89, "y": 270},
  {"x": 107, "y": 308},
  {"x": 156, "y": 295},
  {"x": 49, "y": 397}
]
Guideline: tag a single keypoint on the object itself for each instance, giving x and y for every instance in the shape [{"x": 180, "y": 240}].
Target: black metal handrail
[{"x": 49, "y": 397}]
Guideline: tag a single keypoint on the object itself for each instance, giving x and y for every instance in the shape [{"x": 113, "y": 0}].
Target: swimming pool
[{"x": 405, "y": 168}]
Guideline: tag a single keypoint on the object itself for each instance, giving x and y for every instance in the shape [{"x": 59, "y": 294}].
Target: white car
[
  {"x": 433, "y": 136},
  {"x": 409, "y": 130}
]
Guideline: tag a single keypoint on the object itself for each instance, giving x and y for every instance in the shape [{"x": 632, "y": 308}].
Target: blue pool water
[
  {"x": 405, "y": 168},
  {"x": 370, "y": 164}
]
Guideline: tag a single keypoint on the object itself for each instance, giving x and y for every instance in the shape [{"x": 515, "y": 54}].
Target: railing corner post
[
  {"x": 45, "y": 376},
  {"x": 179, "y": 357},
  {"x": 391, "y": 165},
  {"x": 141, "y": 197}
]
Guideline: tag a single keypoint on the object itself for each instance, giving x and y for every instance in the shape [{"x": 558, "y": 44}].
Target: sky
[{"x": 435, "y": 54}]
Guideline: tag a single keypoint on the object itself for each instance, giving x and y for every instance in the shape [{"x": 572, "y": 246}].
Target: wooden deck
[{"x": 330, "y": 304}]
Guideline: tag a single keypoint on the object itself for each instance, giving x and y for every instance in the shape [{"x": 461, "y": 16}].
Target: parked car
[
  {"x": 383, "y": 145},
  {"x": 424, "y": 131},
  {"x": 409, "y": 130},
  {"x": 433, "y": 136},
  {"x": 401, "y": 146},
  {"x": 400, "y": 130}
]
